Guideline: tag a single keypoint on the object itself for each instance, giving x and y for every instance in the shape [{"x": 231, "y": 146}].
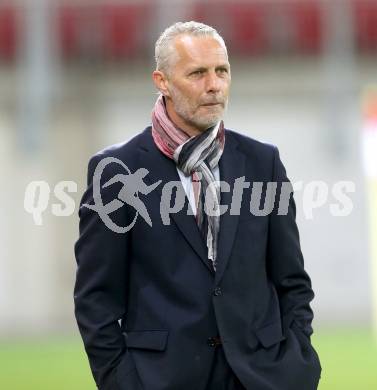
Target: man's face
[{"x": 198, "y": 83}]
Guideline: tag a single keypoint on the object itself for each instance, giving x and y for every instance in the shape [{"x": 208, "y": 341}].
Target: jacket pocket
[
  {"x": 147, "y": 339},
  {"x": 126, "y": 374},
  {"x": 305, "y": 342},
  {"x": 270, "y": 334}
]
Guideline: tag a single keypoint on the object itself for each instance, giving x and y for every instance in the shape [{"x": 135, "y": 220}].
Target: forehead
[{"x": 199, "y": 51}]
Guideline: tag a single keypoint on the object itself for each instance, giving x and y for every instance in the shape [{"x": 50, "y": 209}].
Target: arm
[
  {"x": 100, "y": 288},
  {"x": 285, "y": 260}
]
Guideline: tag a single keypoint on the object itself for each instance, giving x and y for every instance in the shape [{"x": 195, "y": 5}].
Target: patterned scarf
[{"x": 196, "y": 156}]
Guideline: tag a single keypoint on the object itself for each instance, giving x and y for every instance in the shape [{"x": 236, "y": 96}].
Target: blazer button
[
  {"x": 211, "y": 342},
  {"x": 217, "y": 291},
  {"x": 214, "y": 341}
]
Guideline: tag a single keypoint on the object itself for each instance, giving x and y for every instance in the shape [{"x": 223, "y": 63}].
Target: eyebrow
[{"x": 203, "y": 68}]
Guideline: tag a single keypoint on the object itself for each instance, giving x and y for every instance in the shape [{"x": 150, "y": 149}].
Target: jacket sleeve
[
  {"x": 101, "y": 282},
  {"x": 285, "y": 259}
]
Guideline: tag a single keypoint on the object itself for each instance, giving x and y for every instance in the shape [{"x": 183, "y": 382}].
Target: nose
[{"x": 213, "y": 83}]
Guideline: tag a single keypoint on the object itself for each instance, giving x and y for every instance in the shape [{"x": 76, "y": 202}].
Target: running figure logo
[{"x": 133, "y": 184}]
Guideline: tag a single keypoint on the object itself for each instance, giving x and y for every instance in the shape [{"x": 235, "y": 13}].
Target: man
[{"x": 202, "y": 294}]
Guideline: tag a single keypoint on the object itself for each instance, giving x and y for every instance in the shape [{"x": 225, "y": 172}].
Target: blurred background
[{"x": 75, "y": 76}]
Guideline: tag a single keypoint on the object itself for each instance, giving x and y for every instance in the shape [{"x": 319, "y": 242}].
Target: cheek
[
  {"x": 192, "y": 92},
  {"x": 194, "y": 96},
  {"x": 188, "y": 90},
  {"x": 226, "y": 85},
  {"x": 196, "y": 89}
]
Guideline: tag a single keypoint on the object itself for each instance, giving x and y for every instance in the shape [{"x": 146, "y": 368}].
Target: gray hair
[{"x": 164, "y": 49}]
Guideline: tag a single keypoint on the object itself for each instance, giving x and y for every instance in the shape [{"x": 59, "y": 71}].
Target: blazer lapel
[
  {"x": 162, "y": 168},
  {"x": 232, "y": 166}
]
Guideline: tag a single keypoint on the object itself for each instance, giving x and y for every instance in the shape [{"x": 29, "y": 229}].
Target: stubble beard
[{"x": 186, "y": 111}]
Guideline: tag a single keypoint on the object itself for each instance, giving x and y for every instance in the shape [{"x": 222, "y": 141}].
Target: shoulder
[
  {"x": 250, "y": 146},
  {"x": 259, "y": 154},
  {"x": 127, "y": 148},
  {"x": 113, "y": 156}
]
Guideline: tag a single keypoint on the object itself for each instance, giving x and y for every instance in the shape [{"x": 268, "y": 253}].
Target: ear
[{"x": 161, "y": 82}]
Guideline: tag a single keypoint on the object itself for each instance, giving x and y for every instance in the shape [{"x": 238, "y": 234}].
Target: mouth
[{"x": 211, "y": 104}]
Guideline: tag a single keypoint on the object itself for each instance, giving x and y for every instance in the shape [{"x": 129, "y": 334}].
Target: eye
[
  {"x": 223, "y": 70},
  {"x": 197, "y": 72}
]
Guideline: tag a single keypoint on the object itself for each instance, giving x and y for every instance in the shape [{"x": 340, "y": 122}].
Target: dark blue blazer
[{"x": 147, "y": 302}]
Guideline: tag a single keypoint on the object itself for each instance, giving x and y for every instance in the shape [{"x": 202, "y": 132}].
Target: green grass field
[{"x": 348, "y": 358}]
